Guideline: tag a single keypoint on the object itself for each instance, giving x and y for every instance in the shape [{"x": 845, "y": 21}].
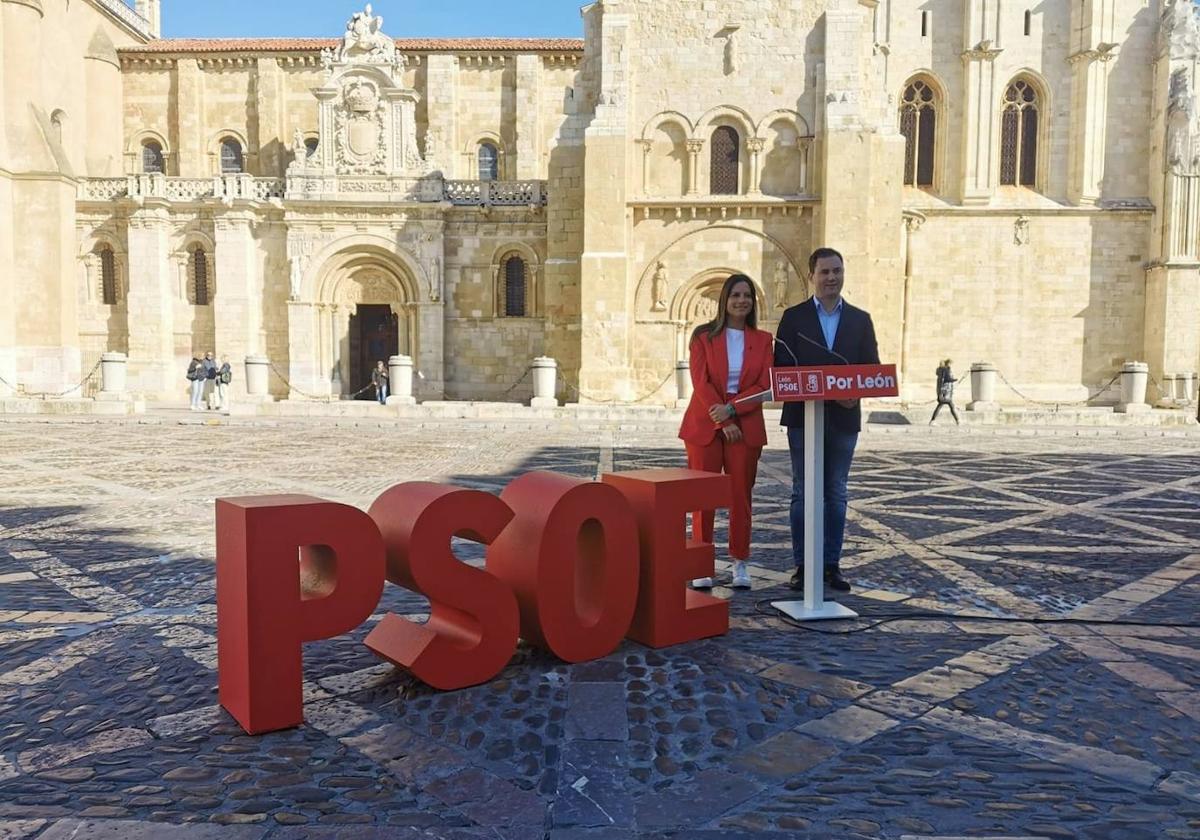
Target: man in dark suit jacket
[{"x": 824, "y": 330}]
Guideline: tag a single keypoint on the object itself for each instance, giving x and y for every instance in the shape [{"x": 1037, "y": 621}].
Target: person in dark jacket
[
  {"x": 379, "y": 378},
  {"x": 945, "y": 392},
  {"x": 195, "y": 375},
  {"x": 824, "y": 330}
]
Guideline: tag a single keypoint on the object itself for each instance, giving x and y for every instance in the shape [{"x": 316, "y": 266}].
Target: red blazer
[{"x": 710, "y": 374}]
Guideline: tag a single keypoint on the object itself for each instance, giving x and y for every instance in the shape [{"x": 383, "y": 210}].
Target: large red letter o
[{"x": 571, "y": 558}]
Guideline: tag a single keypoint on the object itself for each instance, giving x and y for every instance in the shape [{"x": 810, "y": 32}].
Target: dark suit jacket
[{"x": 855, "y": 340}]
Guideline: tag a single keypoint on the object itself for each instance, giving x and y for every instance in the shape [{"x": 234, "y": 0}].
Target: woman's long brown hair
[{"x": 715, "y": 327}]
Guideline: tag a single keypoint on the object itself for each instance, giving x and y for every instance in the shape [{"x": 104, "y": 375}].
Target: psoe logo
[{"x": 572, "y": 566}]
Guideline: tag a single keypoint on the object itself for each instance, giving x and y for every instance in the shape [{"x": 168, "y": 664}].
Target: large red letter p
[{"x": 290, "y": 569}]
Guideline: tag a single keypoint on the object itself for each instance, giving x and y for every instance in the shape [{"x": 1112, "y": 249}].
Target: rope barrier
[
  {"x": 48, "y": 394},
  {"x": 642, "y": 398}
]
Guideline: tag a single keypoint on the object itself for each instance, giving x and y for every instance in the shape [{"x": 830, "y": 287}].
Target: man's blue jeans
[
  {"x": 839, "y": 452},
  {"x": 382, "y": 394}
]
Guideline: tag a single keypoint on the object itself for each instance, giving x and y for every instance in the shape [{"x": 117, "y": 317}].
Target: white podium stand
[{"x": 814, "y": 607}]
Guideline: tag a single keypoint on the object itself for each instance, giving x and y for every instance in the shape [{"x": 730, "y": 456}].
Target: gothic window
[
  {"x": 231, "y": 156},
  {"x": 725, "y": 161},
  {"x": 200, "y": 278},
  {"x": 108, "y": 277},
  {"x": 489, "y": 162},
  {"x": 514, "y": 287},
  {"x": 918, "y": 124},
  {"x": 152, "y": 157},
  {"x": 1019, "y": 135},
  {"x": 310, "y": 146}
]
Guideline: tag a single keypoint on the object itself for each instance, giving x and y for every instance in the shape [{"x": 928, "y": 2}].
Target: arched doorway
[
  {"x": 374, "y": 319},
  {"x": 697, "y": 301}
]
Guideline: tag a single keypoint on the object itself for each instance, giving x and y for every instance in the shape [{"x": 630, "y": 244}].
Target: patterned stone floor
[{"x": 953, "y": 708}]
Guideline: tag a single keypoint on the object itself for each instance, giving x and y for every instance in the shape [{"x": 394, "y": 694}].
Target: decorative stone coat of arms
[{"x": 368, "y": 126}]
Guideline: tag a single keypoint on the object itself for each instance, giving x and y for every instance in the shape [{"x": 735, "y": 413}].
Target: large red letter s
[
  {"x": 290, "y": 569},
  {"x": 473, "y": 621}
]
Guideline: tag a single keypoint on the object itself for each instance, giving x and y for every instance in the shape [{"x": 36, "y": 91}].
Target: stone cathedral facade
[{"x": 1010, "y": 181}]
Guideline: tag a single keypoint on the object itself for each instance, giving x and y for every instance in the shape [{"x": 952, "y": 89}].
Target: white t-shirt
[{"x": 735, "y": 349}]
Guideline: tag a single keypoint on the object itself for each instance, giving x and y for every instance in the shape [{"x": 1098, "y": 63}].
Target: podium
[{"x": 814, "y": 386}]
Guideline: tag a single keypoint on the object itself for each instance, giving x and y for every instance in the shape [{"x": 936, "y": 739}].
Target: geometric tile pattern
[{"x": 1027, "y": 662}]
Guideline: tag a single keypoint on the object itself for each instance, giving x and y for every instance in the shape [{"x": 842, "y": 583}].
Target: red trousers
[{"x": 740, "y": 463}]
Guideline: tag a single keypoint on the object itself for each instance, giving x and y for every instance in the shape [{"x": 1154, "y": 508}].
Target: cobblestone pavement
[{"x": 946, "y": 722}]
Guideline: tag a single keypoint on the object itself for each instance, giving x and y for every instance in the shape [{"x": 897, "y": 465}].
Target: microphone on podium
[
  {"x": 825, "y": 349},
  {"x": 789, "y": 349}
]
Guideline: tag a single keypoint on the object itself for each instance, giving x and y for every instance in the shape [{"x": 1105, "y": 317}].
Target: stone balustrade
[
  {"x": 241, "y": 186},
  {"x": 496, "y": 193}
]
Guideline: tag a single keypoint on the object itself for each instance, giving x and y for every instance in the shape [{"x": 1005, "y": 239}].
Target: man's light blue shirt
[{"x": 829, "y": 321}]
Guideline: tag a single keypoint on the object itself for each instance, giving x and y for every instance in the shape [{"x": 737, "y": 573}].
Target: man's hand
[
  {"x": 847, "y": 403},
  {"x": 732, "y": 433}
]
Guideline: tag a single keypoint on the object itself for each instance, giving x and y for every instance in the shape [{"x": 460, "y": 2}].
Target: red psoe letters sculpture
[
  {"x": 668, "y": 612},
  {"x": 473, "y": 623},
  {"x": 266, "y": 610},
  {"x": 571, "y": 558},
  {"x": 587, "y": 563}
]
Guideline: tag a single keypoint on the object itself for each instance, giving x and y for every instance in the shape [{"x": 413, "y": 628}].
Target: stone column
[
  {"x": 695, "y": 148},
  {"x": 191, "y": 133},
  {"x": 237, "y": 298},
  {"x": 529, "y": 129},
  {"x": 1172, "y": 331},
  {"x": 647, "y": 146},
  {"x": 441, "y": 72},
  {"x": 305, "y": 353},
  {"x": 755, "y": 147},
  {"x": 860, "y": 209},
  {"x": 981, "y": 168},
  {"x": 270, "y": 96},
  {"x": 153, "y": 368},
  {"x": 1093, "y": 46},
  {"x": 430, "y": 358},
  {"x": 605, "y": 319}
]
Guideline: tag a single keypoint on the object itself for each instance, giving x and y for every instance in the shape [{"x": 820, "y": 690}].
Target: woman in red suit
[{"x": 730, "y": 359}]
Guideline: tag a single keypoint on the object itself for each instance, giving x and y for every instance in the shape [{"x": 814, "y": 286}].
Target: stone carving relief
[
  {"x": 360, "y": 148},
  {"x": 371, "y": 288},
  {"x": 1182, "y": 147},
  {"x": 783, "y": 275},
  {"x": 1180, "y": 30},
  {"x": 1021, "y": 230},
  {"x": 658, "y": 288},
  {"x": 364, "y": 40}
]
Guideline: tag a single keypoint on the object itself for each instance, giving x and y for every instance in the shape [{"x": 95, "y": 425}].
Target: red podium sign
[{"x": 833, "y": 382}]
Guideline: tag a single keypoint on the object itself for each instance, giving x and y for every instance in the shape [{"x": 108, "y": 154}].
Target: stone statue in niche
[
  {"x": 731, "y": 50},
  {"x": 782, "y": 276},
  {"x": 658, "y": 288}
]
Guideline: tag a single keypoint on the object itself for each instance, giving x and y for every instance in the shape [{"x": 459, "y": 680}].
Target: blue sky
[{"x": 401, "y": 18}]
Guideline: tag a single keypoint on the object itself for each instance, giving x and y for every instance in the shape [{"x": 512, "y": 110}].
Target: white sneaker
[
  {"x": 702, "y": 583},
  {"x": 741, "y": 576}
]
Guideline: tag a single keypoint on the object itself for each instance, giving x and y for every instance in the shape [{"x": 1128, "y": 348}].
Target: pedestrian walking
[
  {"x": 945, "y": 392},
  {"x": 379, "y": 378}
]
